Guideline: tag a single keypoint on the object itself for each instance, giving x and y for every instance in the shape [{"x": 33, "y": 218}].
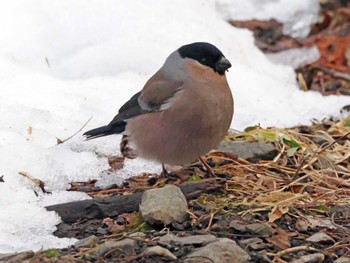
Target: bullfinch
[{"x": 183, "y": 111}]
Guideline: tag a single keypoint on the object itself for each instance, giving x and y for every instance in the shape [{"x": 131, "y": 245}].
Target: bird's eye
[{"x": 203, "y": 60}]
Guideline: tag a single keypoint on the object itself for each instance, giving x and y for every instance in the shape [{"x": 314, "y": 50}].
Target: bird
[{"x": 182, "y": 112}]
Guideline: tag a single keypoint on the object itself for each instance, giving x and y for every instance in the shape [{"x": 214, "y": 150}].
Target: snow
[
  {"x": 62, "y": 62},
  {"x": 295, "y": 57},
  {"x": 296, "y": 16}
]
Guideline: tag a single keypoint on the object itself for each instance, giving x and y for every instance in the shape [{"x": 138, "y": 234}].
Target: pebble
[
  {"x": 252, "y": 151},
  {"x": 222, "y": 251},
  {"x": 342, "y": 260},
  {"x": 187, "y": 240},
  {"x": 320, "y": 238},
  {"x": 164, "y": 205},
  {"x": 16, "y": 257},
  {"x": 89, "y": 241},
  {"x": 126, "y": 246}
]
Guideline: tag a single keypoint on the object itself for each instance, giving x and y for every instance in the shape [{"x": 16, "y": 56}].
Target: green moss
[
  {"x": 52, "y": 253},
  {"x": 194, "y": 178}
]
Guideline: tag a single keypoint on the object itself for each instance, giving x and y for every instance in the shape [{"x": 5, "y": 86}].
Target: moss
[{"x": 52, "y": 253}]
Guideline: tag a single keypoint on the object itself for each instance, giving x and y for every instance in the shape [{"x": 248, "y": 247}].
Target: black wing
[{"x": 130, "y": 109}]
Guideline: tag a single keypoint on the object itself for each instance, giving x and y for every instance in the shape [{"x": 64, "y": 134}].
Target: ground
[{"x": 287, "y": 204}]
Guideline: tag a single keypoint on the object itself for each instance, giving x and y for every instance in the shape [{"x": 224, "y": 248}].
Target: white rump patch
[{"x": 167, "y": 104}]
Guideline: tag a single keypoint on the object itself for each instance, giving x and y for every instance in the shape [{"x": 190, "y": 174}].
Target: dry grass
[{"x": 310, "y": 172}]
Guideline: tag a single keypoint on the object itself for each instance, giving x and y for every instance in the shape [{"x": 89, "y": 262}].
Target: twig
[
  {"x": 302, "y": 82},
  {"x": 336, "y": 245},
  {"x": 37, "y": 182},
  {"x": 47, "y": 62},
  {"x": 335, "y": 141},
  {"x": 70, "y": 137},
  {"x": 318, "y": 152},
  {"x": 335, "y": 224},
  {"x": 279, "y": 154},
  {"x": 291, "y": 250},
  {"x": 333, "y": 73},
  {"x": 210, "y": 221},
  {"x": 299, "y": 167},
  {"x": 199, "y": 258}
]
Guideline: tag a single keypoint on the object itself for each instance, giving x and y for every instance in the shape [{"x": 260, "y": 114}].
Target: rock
[
  {"x": 126, "y": 246},
  {"x": 222, "y": 251},
  {"x": 254, "y": 243},
  {"x": 89, "y": 241},
  {"x": 178, "y": 226},
  {"x": 259, "y": 229},
  {"x": 138, "y": 235},
  {"x": 252, "y": 151},
  {"x": 320, "y": 238},
  {"x": 164, "y": 205},
  {"x": 101, "y": 231},
  {"x": 16, "y": 257},
  {"x": 342, "y": 260},
  {"x": 5, "y": 255},
  {"x": 188, "y": 240},
  {"x": 160, "y": 251},
  {"x": 237, "y": 225},
  {"x": 311, "y": 258}
]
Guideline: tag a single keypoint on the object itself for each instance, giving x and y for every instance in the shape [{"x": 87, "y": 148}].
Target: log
[{"x": 98, "y": 208}]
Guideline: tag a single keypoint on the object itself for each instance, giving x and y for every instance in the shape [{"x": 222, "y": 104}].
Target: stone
[
  {"x": 164, "y": 205},
  {"x": 137, "y": 235},
  {"x": 89, "y": 241},
  {"x": 222, "y": 251},
  {"x": 101, "y": 231},
  {"x": 311, "y": 258},
  {"x": 254, "y": 243},
  {"x": 320, "y": 238},
  {"x": 251, "y": 151},
  {"x": 16, "y": 257},
  {"x": 259, "y": 229},
  {"x": 126, "y": 246},
  {"x": 237, "y": 225},
  {"x": 342, "y": 260},
  {"x": 187, "y": 240},
  {"x": 160, "y": 251}
]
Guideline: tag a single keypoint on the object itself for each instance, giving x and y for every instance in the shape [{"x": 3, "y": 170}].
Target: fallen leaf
[
  {"x": 37, "y": 182},
  {"x": 308, "y": 222},
  {"x": 268, "y": 182},
  {"x": 292, "y": 151},
  {"x": 116, "y": 163},
  {"x": 280, "y": 238},
  {"x": 276, "y": 213},
  {"x": 113, "y": 226}
]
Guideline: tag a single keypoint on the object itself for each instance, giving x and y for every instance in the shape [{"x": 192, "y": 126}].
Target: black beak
[{"x": 222, "y": 65}]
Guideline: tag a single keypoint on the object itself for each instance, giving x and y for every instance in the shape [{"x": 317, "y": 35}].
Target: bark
[{"x": 112, "y": 206}]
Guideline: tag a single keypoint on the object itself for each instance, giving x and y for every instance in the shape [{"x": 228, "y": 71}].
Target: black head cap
[{"x": 206, "y": 54}]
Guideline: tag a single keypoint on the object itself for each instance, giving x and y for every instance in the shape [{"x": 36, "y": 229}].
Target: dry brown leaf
[
  {"x": 277, "y": 212},
  {"x": 278, "y": 202},
  {"x": 281, "y": 238},
  {"x": 305, "y": 223},
  {"x": 37, "y": 182},
  {"x": 113, "y": 226},
  {"x": 267, "y": 182},
  {"x": 279, "y": 198},
  {"x": 297, "y": 188}
]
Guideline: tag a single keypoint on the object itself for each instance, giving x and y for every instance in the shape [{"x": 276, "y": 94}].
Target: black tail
[{"x": 104, "y": 131}]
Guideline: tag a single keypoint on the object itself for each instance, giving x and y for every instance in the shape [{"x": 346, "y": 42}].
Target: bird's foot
[
  {"x": 164, "y": 172},
  {"x": 207, "y": 167}
]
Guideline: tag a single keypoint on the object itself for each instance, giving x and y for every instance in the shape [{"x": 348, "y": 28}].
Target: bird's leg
[
  {"x": 164, "y": 172},
  {"x": 207, "y": 167}
]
